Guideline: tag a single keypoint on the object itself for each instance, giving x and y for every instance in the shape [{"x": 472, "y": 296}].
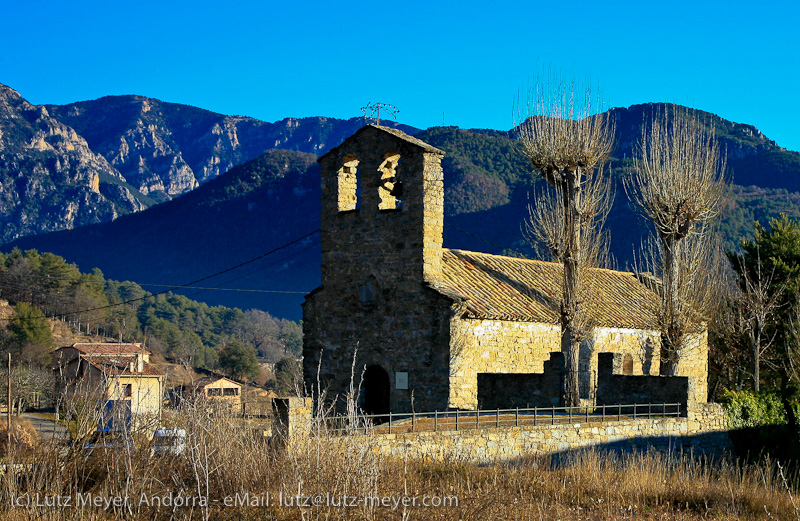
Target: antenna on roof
[{"x": 373, "y": 111}]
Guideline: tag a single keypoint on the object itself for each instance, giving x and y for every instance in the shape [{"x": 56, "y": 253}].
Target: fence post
[
  {"x": 649, "y": 411},
  {"x": 498, "y": 417},
  {"x": 477, "y": 418},
  {"x": 570, "y": 414},
  {"x": 435, "y": 421},
  {"x": 619, "y": 412},
  {"x": 587, "y": 414},
  {"x": 413, "y": 420},
  {"x": 456, "y": 419},
  {"x": 552, "y": 416},
  {"x": 634, "y": 411},
  {"x": 390, "y": 422},
  {"x": 604, "y": 413},
  {"x": 516, "y": 417}
]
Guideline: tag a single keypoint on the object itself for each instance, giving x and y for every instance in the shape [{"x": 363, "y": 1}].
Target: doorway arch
[{"x": 376, "y": 390}]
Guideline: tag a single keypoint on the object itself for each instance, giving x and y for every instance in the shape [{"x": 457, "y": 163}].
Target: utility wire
[
  {"x": 143, "y": 284},
  {"x": 64, "y": 315},
  {"x": 203, "y": 290},
  {"x": 190, "y": 285}
]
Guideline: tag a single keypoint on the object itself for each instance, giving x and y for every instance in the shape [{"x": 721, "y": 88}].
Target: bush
[{"x": 751, "y": 409}]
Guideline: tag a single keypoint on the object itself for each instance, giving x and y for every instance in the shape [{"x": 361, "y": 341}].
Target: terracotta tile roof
[
  {"x": 110, "y": 348},
  {"x": 393, "y": 131},
  {"x": 508, "y": 288},
  {"x": 121, "y": 366}
]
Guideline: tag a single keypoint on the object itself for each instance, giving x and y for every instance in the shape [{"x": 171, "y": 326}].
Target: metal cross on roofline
[{"x": 374, "y": 110}]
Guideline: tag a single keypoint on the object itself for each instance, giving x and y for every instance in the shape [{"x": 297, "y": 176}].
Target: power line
[
  {"x": 256, "y": 271},
  {"x": 142, "y": 284},
  {"x": 198, "y": 280},
  {"x": 189, "y": 284}
]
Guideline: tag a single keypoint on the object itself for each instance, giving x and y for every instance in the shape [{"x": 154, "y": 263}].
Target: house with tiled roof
[
  {"x": 217, "y": 390},
  {"x": 118, "y": 376},
  {"x": 432, "y": 328}
]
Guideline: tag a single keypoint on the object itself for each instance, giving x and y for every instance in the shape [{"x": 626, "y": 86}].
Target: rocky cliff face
[
  {"x": 50, "y": 179},
  {"x": 63, "y": 166},
  {"x": 166, "y": 149}
]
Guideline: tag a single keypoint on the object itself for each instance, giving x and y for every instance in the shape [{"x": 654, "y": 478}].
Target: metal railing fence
[{"x": 456, "y": 420}]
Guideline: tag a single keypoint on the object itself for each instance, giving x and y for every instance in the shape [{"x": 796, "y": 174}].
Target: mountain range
[
  {"x": 65, "y": 166},
  {"x": 165, "y": 194}
]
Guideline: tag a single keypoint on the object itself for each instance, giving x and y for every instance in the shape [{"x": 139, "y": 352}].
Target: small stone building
[
  {"x": 436, "y": 328},
  {"x": 118, "y": 375}
]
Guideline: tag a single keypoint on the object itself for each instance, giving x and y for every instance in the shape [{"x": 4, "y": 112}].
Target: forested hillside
[
  {"x": 180, "y": 329},
  {"x": 253, "y": 209}
]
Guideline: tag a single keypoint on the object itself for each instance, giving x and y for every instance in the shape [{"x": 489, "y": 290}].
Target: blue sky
[{"x": 457, "y": 63}]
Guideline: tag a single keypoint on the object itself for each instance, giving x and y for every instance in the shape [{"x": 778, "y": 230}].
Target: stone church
[{"x": 433, "y": 328}]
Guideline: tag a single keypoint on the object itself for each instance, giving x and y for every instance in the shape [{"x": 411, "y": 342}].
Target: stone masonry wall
[
  {"x": 693, "y": 364},
  {"x": 703, "y": 431},
  {"x": 627, "y": 389},
  {"x": 515, "y": 390},
  {"x": 374, "y": 303},
  {"x": 495, "y": 346},
  {"x": 705, "y": 435}
]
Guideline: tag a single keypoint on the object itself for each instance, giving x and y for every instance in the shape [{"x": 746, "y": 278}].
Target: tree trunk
[
  {"x": 570, "y": 344},
  {"x": 670, "y": 327},
  {"x": 757, "y": 358}
]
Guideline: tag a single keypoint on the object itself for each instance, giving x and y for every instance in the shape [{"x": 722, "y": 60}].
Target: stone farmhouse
[
  {"x": 436, "y": 328},
  {"x": 119, "y": 376}
]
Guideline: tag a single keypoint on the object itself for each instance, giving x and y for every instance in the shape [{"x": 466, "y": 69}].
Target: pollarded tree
[
  {"x": 678, "y": 182},
  {"x": 566, "y": 142}
]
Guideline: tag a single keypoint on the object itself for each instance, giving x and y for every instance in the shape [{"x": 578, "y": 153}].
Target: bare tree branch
[
  {"x": 678, "y": 183},
  {"x": 566, "y": 143}
]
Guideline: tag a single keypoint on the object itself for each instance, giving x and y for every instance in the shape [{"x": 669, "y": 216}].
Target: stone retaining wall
[
  {"x": 702, "y": 431},
  {"x": 700, "y": 435}
]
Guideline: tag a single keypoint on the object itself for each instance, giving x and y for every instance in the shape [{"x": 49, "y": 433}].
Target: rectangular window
[
  {"x": 214, "y": 391},
  {"x": 231, "y": 391}
]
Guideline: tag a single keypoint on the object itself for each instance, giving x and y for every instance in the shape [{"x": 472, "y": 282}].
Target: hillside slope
[
  {"x": 253, "y": 209},
  {"x": 274, "y": 199}
]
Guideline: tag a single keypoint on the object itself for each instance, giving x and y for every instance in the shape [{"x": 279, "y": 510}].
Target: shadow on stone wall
[
  {"x": 629, "y": 389},
  {"x": 522, "y": 390},
  {"x": 526, "y": 390}
]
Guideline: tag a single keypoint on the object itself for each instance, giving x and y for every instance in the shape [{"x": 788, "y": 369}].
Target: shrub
[{"x": 751, "y": 409}]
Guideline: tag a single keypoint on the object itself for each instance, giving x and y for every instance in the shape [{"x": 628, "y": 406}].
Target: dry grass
[
  {"x": 224, "y": 458},
  {"x": 23, "y": 435}
]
